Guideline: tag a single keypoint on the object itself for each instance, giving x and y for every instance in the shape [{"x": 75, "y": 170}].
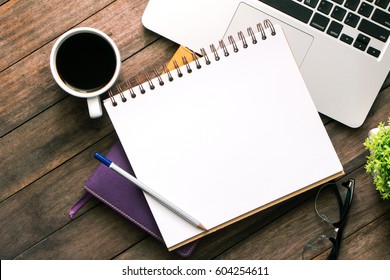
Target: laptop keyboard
[{"x": 365, "y": 24}]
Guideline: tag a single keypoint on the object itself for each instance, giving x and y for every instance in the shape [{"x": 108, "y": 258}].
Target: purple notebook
[{"x": 123, "y": 196}]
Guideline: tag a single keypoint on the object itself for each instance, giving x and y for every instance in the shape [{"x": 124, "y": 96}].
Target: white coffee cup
[{"x": 85, "y": 62}]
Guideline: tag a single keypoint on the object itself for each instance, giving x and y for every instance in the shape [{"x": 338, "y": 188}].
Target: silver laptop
[{"x": 341, "y": 46}]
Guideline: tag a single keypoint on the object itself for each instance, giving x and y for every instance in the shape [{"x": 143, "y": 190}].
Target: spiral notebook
[{"x": 224, "y": 136}]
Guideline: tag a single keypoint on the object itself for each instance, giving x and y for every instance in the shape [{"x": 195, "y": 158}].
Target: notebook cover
[{"x": 124, "y": 197}]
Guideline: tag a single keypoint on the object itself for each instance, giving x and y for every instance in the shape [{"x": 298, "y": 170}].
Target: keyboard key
[
  {"x": 346, "y": 39},
  {"x": 291, "y": 8},
  {"x": 359, "y": 45},
  {"x": 352, "y": 4},
  {"x": 338, "y": 13},
  {"x": 374, "y": 30},
  {"x": 382, "y": 3},
  {"x": 374, "y": 52},
  {"x": 311, "y": 3},
  {"x": 352, "y": 19},
  {"x": 319, "y": 21},
  {"x": 334, "y": 29},
  {"x": 325, "y": 7},
  {"x": 363, "y": 39},
  {"x": 365, "y": 9},
  {"x": 381, "y": 17},
  {"x": 338, "y": 1}
]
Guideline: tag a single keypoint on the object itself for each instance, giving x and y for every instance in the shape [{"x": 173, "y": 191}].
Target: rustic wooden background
[{"x": 47, "y": 142}]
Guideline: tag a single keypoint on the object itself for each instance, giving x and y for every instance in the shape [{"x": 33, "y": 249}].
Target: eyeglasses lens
[
  {"x": 329, "y": 203},
  {"x": 317, "y": 249}
]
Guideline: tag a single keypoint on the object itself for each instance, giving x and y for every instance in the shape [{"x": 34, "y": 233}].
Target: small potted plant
[{"x": 378, "y": 162}]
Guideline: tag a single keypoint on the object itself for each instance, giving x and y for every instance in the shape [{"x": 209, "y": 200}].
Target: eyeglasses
[{"x": 332, "y": 204}]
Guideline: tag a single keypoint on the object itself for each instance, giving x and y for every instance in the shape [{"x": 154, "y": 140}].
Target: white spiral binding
[{"x": 166, "y": 73}]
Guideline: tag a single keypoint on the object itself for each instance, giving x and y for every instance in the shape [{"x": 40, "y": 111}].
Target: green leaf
[{"x": 378, "y": 162}]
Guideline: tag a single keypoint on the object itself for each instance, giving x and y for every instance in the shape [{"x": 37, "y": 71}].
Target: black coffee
[{"x": 86, "y": 62}]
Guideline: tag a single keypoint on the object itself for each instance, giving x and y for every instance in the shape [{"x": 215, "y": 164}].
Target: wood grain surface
[{"x": 48, "y": 140}]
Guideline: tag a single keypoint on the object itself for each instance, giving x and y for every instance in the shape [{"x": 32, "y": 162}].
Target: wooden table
[{"x": 48, "y": 140}]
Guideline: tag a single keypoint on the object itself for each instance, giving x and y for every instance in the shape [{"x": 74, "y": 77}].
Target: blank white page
[{"x": 226, "y": 140}]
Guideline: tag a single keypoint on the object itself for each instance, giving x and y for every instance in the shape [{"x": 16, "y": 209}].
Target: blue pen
[{"x": 149, "y": 191}]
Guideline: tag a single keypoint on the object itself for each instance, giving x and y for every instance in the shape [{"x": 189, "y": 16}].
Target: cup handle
[{"x": 95, "y": 107}]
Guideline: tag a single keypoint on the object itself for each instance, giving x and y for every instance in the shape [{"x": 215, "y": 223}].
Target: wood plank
[
  {"x": 101, "y": 237},
  {"x": 216, "y": 243},
  {"x": 348, "y": 142},
  {"x": 50, "y": 140},
  {"x": 28, "y": 25},
  {"x": 286, "y": 238},
  {"x": 39, "y": 212},
  {"x": 44, "y": 143},
  {"x": 42, "y": 208},
  {"x": 369, "y": 243}
]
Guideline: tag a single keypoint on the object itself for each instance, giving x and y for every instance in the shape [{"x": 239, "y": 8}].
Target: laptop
[{"x": 340, "y": 46}]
